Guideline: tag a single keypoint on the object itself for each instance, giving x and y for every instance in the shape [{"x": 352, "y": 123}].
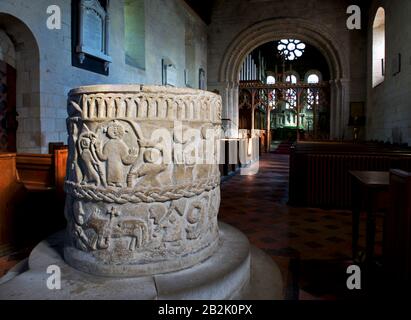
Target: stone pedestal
[
  {"x": 142, "y": 180},
  {"x": 234, "y": 271}
]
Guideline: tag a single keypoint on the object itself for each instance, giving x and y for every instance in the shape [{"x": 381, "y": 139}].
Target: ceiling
[{"x": 203, "y": 8}]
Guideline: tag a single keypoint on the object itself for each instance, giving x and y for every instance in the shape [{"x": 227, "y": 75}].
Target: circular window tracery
[{"x": 291, "y": 49}]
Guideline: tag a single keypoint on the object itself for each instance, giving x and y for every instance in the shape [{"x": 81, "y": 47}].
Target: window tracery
[{"x": 291, "y": 49}]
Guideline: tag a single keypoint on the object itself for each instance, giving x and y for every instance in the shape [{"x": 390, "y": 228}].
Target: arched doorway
[
  {"x": 294, "y": 28},
  {"x": 20, "y": 128},
  {"x": 8, "y": 113}
]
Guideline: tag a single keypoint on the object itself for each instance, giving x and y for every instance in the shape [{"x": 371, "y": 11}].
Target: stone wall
[
  {"x": 327, "y": 18},
  {"x": 7, "y": 50},
  {"x": 165, "y": 23},
  {"x": 388, "y": 107}
]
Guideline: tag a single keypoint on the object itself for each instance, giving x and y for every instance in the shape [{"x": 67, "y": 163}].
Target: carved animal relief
[{"x": 142, "y": 178}]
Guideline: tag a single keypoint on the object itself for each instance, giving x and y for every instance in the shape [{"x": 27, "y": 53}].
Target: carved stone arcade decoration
[{"x": 137, "y": 203}]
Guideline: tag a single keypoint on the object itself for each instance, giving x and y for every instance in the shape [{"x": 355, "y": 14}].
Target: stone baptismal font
[
  {"x": 142, "y": 199},
  {"x": 141, "y": 196}
]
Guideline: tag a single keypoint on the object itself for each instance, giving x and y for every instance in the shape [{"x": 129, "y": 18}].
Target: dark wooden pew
[
  {"x": 237, "y": 153},
  {"x": 229, "y": 158},
  {"x": 319, "y": 170},
  {"x": 36, "y": 171},
  {"x": 12, "y": 192},
  {"x": 43, "y": 172},
  {"x": 31, "y": 197},
  {"x": 397, "y": 230}
]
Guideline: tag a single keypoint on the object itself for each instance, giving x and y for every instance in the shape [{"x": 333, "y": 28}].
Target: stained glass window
[
  {"x": 272, "y": 99},
  {"x": 313, "y": 97},
  {"x": 291, "y": 79},
  {"x": 270, "y": 80},
  {"x": 313, "y": 78},
  {"x": 291, "y": 98}
]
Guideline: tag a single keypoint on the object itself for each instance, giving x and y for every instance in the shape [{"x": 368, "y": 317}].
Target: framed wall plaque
[
  {"x": 90, "y": 36},
  {"x": 169, "y": 73}
]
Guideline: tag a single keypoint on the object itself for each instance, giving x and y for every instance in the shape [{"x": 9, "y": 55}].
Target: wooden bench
[
  {"x": 31, "y": 197},
  {"x": 36, "y": 171},
  {"x": 43, "y": 172},
  {"x": 237, "y": 153},
  {"x": 397, "y": 229},
  {"x": 12, "y": 191},
  {"x": 319, "y": 172}
]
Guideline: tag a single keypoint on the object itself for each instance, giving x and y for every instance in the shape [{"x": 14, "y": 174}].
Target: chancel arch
[
  {"x": 287, "y": 28},
  {"x": 294, "y": 103},
  {"x": 20, "y": 69}
]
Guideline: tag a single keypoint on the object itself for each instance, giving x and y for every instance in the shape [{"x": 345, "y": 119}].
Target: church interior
[{"x": 315, "y": 122}]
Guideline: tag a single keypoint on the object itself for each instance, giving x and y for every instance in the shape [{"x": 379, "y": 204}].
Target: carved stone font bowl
[{"x": 142, "y": 179}]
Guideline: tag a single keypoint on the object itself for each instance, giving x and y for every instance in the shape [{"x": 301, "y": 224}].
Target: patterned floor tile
[{"x": 322, "y": 237}]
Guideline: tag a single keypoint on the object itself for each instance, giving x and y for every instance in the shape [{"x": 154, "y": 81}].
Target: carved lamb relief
[{"x": 142, "y": 179}]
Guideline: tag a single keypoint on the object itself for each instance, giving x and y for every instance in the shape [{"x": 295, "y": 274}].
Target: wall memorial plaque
[
  {"x": 93, "y": 32},
  {"x": 172, "y": 76},
  {"x": 169, "y": 73},
  {"x": 93, "y": 38}
]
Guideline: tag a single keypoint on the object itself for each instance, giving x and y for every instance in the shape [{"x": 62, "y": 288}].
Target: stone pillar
[
  {"x": 334, "y": 110},
  {"x": 230, "y": 107},
  {"x": 229, "y": 92},
  {"x": 340, "y": 108},
  {"x": 268, "y": 135},
  {"x": 138, "y": 202},
  {"x": 235, "y": 109},
  {"x": 344, "y": 85}
]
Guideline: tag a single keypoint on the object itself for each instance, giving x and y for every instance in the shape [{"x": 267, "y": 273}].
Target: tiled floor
[
  {"x": 311, "y": 246},
  {"x": 5, "y": 264},
  {"x": 8, "y": 262}
]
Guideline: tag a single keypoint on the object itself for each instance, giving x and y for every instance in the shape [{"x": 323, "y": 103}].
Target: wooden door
[{"x": 8, "y": 114}]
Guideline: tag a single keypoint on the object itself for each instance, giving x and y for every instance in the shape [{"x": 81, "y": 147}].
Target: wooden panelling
[
  {"x": 11, "y": 193},
  {"x": 43, "y": 171},
  {"x": 36, "y": 171},
  {"x": 31, "y": 197},
  {"x": 60, "y": 165}
]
